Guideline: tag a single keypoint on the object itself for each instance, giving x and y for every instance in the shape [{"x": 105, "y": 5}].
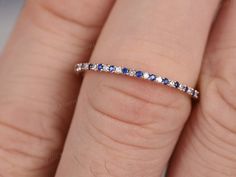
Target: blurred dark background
[{"x": 9, "y": 10}]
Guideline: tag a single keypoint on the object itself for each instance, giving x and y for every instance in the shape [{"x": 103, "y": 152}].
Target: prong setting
[{"x": 138, "y": 74}]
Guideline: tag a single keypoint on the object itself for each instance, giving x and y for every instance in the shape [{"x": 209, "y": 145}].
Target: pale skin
[{"x": 121, "y": 127}]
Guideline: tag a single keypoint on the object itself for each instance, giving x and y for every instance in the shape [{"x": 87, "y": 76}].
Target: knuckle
[
  {"x": 220, "y": 93},
  {"x": 58, "y": 29},
  {"x": 211, "y": 137},
  {"x": 25, "y": 138},
  {"x": 129, "y": 116},
  {"x": 226, "y": 93},
  {"x": 68, "y": 11},
  {"x": 130, "y": 101},
  {"x": 219, "y": 103}
]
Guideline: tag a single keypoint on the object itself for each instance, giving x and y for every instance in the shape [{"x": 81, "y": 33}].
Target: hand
[{"x": 122, "y": 127}]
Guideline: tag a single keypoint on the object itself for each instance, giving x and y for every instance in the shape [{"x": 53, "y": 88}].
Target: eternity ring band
[{"x": 137, "y": 74}]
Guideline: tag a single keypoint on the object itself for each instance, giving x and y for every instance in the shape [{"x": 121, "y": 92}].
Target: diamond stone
[
  {"x": 105, "y": 68},
  {"x": 145, "y": 75},
  {"x": 181, "y": 87},
  {"x": 85, "y": 66},
  {"x": 196, "y": 93},
  {"x": 118, "y": 70},
  {"x": 172, "y": 83},
  {"x": 78, "y": 67},
  {"x": 190, "y": 91},
  {"x": 159, "y": 79},
  {"x": 132, "y": 72}
]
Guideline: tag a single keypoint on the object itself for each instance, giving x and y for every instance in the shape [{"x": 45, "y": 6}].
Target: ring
[{"x": 137, "y": 74}]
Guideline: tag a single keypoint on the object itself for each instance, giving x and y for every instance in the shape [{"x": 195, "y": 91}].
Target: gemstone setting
[
  {"x": 100, "y": 67},
  {"x": 186, "y": 89},
  {"x": 176, "y": 84},
  {"x": 165, "y": 81},
  {"x": 118, "y": 70},
  {"x": 132, "y": 72},
  {"x": 159, "y": 79},
  {"x": 152, "y": 77},
  {"x": 145, "y": 75},
  {"x": 136, "y": 73},
  {"x": 139, "y": 74},
  {"x": 90, "y": 66},
  {"x": 78, "y": 68},
  {"x": 112, "y": 68},
  {"x": 125, "y": 70}
]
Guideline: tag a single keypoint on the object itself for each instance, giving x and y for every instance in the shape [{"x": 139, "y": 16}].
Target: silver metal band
[{"x": 138, "y": 74}]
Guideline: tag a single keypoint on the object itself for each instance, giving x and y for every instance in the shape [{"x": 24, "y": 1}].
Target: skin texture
[
  {"x": 121, "y": 127},
  {"x": 207, "y": 147},
  {"x": 39, "y": 91}
]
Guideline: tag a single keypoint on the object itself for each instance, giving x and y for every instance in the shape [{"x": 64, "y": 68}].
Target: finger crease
[{"x": 24, "y": 132}]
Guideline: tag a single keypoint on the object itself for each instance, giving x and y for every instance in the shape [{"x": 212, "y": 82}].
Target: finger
[
  {"x": 208, "y": 147},
  {"x": 126, "y": 127},
  {"x": 38, "y": 88}
]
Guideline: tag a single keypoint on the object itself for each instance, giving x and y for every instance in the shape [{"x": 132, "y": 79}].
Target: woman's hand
[{"x": 122, "y": 127}]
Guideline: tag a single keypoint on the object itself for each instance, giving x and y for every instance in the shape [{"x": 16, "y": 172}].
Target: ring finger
[{"x": 126, "y": 127}]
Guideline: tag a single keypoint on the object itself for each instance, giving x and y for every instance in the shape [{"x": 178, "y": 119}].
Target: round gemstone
[
  {"x": 132, "y": 73},
  {"x": 159, "y": 79},
  {"x": 139, "y": 74},
  {"x": 172, "y": 83},
  {"x": 190, "y": 91},
  {"x": 195, "y": 93},
  {"x": 125, "y": 70},
  {"x": 85, "y": 66},
  {"x": 100, "y": 67},
  {"x": 165, "y": 81},
  {"x": 78, "y": 67},
  {"x": 118, "y": 70},
  {"x": 176, "y": 84},
  {"x": 145, "y": 75},
  {"x": 112, "y": 68},
  {"x": 152, "y": 77},
  {"x": 105, "y": 68}
]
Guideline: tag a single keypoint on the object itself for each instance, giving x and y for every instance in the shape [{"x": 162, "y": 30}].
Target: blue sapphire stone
[
  {"x": 125, "y": 70},
  {"x": 139, "y": 74},
  {"x": 100, "y": 67},
  {"x": 177, "y": 84},
  {"x": 165, "y": 81},
  {"x": 112, "y": 68},
  {"x": 152, "y": 77}
]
